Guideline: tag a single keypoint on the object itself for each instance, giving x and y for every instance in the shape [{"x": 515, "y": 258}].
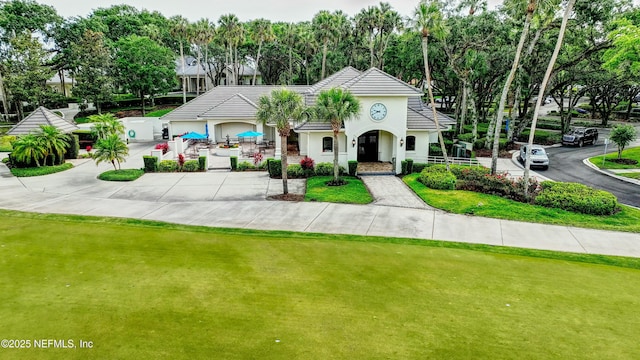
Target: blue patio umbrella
[
  {"x": 194, "y": 135},
  {"x": 249, "y": 133}
]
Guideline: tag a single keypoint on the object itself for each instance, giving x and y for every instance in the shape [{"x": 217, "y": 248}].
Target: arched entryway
[{"x": 368, "y": 146}]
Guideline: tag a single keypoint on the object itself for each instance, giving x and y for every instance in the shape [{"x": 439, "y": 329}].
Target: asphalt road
[{"x": 566, "y": 165}]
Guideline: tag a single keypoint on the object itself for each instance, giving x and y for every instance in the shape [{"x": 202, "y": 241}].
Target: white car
[{"x": 539, "y": 156}]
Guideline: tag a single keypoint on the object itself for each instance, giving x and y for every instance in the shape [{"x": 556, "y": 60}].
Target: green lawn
[
  {"x": 158, "y": 113},
  {"x": 631, "y": 175},
  {"x": 632, "y": 153},
  {"x": 467, "y": 202},
  {"x": 121, "y": 175},
  {"x": 40, "y": 171},
  {"x": 159, "y": 291},
  {"x": 353, "y": 193}
]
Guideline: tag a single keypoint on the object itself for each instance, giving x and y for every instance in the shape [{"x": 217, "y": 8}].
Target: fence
[{"x": 453, "y": 160}]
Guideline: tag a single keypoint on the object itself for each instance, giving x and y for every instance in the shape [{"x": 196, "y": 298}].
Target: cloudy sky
[{"x": 274, "y": 10}]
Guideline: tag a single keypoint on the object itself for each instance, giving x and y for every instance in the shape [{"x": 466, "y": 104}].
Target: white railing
[{"x": 453, "y": 160}]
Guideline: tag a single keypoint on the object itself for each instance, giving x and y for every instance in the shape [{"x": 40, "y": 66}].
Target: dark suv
[{"x": 580, "y": 135}]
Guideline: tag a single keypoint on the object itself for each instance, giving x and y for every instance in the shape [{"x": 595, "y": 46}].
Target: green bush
[
  {"x": 275, "y": 168},
  {"x": 418, "y": 167},
  {"x": 39, "y": 171},
  {"x": 403, "y": 167},
  {"x": 542, "y": 137},
  {"x": 479, "y": 179},
  {"x": 409, "y": 166},
  {"x": 435, "y": 150},
  {"x": 168, "y": 166},
  {"x": 353, "y": 167},
  {"x": 121, "y": 175},
  {"x": 577, "y": 198},
  {"x": 437, "y": 177},
  {"x": 324, "y": 169},
  {"x": 191, "y": 166},
  {"x": 295, "y": 171},
  {"x": 245, "y": 165},
  {"x": 234, "y": 163},
  {"x": 5, "y": 160},
  {"x": 479, "y": 143},
  {"x": 73, "y": 148},
  {"x": 466, "y": 137},
  {"x": 150, "y": 163},
  {"x": 202, "y": 163}
]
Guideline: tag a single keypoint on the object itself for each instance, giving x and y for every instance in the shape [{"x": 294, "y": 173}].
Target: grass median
[
  {"x": 354, "y": 192},
  {"x": 472, "y": 203},
  {"x": 608, "y": 161},
  {"x": 154, "y": 290}
]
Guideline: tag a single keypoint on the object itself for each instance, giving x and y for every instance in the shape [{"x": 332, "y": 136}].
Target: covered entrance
[{"x": 368, "y": 146}]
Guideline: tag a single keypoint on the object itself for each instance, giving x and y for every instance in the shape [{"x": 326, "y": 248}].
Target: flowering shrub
[
  {"x": 479, "y": 180},
  {"x": 163, "y": 146},
  {"x": 257, "y": 159},
  {"x": 307, "y": 163},
  {"x": 88, "y": 148},
  {"x": 180, "y": 161}
]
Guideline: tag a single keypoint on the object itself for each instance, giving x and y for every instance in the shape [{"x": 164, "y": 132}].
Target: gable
[
  {"x": 378, "y": 82},
  {"x": 237, "y": 107},
  {"x": 41, "y": 116}
]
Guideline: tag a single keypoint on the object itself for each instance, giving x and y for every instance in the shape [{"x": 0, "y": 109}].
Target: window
[
  {"x": 327, "y": 144},
  {"x": 411, "y": 143}
]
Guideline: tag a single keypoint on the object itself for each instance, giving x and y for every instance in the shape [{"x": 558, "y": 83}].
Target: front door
[{"x": 368, "y": 147}]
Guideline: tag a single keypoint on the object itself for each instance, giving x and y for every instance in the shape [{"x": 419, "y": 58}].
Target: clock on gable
[{"x": 378, "y": 111}]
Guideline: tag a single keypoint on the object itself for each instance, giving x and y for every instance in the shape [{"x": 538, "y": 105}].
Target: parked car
[
  {"x": 581, "y": 110},
  {"x": 539, "y": 156},
  {"x": 580, "y": 136}
]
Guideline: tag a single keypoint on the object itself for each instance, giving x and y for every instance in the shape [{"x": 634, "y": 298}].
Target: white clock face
[{"x": 378, "y": 111}]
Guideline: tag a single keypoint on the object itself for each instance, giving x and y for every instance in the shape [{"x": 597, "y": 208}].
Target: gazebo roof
[{"x": 41, "y": 116}]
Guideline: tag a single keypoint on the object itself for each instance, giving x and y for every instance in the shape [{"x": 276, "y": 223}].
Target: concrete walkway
[
  {"x": 389, "y": 190},
  {"x": 226, "y": 199}
]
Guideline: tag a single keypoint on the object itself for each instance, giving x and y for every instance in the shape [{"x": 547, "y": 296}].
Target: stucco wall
[
  {"x": 313, "y": 148},
  {"x": 422, "y": 146},
  {"x": 181, "y": 127}
]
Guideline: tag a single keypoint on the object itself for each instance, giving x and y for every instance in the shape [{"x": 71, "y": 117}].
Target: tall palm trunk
[
  {"x": 543, "y": 87},
  {"x": 324, "y": 58},
  {"x": 198, "y": 74},
  {"x": 283, "y": 161},
  {"x": 290, "y": 65},
  {"x": 425, "y": 54},
  {"x": 184, "y": 79},
  {"x": 336, "y": 148},
  {"x": 255, "y": 71},
  {"x": 5, "y": 103},
  {"x": 463, "y": 104},
  {"x": 505, "y": 93}
]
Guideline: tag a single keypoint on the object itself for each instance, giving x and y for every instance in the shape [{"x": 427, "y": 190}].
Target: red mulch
[
  {"x": 287, "y": 197},
  {"x": 488, "y": 153}
]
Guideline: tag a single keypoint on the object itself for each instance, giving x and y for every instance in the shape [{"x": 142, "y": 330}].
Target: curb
[{"x": 605, "y": 172}]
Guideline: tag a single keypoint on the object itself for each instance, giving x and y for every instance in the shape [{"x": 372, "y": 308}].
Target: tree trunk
[
  {"x": 184, "y": 80},
  {"x": 5, "y": 103},
  {"x": 336, "y": 167},
  {"x": 463, "y": 105},
  {"x": 283, "y": 161},
  {"x": 505, "y": 93},
  {"x": 198, "y": 75},
  {"x": 324, "y": 58},
  {"x": 543, "y": 87},
  {"x": 255, "y": 71},
  {"x": 290, "y": 65},
  {"x": 432, "y": 101}
]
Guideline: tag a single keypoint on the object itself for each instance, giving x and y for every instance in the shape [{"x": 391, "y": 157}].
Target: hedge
[
  {"x": 150, "y": 163},
  {"x": 577, "y": 198},
  {"x": 234, "y": 163},
  {"x": 191, "y": 166},
  {"x": 168, "y": 166},
  {"x": 353, "y": 167},
  {"x": 274, "y": 167},
  {"x": 437, "y": 177},
  {"x": 202, "y": 163},
  {"x": 73, "y": 148}
]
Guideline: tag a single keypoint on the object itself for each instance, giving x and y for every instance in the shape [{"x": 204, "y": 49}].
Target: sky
[{"x": 274, "y": 10}]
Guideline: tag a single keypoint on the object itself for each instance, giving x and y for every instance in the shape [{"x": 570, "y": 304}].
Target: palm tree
[
  {"x": 105, "y": 125},
  {"x": 336, "y": 106},
  {"x": 262, "y": 31},
  {"x": 543, "y": 86},
  {"x": 111, "y": 149},
  {"x": 232, "y": 31},
  {"x": 324, "y": 26},
  {"x": 290, "y": 38},
  {"x": 29, "y": 148},
  {"x": 281, "y": 108},
  {"x": 428, "y": 20},
  {"x": 531, "y": 7},
  {"x": 180, "y": 29},
  {"x": 55, "y": 142}
]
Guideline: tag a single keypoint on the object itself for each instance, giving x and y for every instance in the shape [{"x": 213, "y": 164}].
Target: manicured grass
[
  {"x": 121, "y": 175},
  {"x": 354, "y": 192},
  {"x": 40, "y": 171},
  {"x": 632, "y": 153},
  {"x": 631, "y": 175},
  {"x": 188, "y": 293},
  {"x": 158, "y": 113},
  {"x": 472, "y": 203}
]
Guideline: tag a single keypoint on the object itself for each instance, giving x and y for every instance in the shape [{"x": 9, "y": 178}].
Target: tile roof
[
  {"x": 235, "y": 107},
  {"x": 41, "y": 116},
  {"x": 334, "y": 80},
  {"x": 377, "y": 82},
  {"x": 313, "y": 125}
]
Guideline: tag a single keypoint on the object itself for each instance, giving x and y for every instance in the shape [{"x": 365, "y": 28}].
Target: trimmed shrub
[
  {"x": 353, "y": 167},
  {"x": 577, "y": 198},
  {"x": 479, "y": 143},
  {"x": 121, "y": 175},
  {"x": 435, "y": 150},
  {"x": 150, "y": 163},
  {"x": 74, "y": 147},
  {"x": 245, "y": 165},
  {"x": 191, "y": 166},
  {"x": 168, "y": 166},
  {"x": 462, "y": 172},
  {"x": 418, "y": 167},
  {"x": 403, "y": 167},
  {"x": 480, "y": 180},
  {"x": 275, "y": 168},
  {"x": 295, "y": 171},
  {"x": 202, "y": 162},
  {"x": 307, "y": 163},
  {"x": 39, "y": 171},
  {"x": 234, "y": 163},
  {"x": 324, "y": 169},
  {"x": 465, "y": 137},
  {"x": 437, "y": 177},
  {"x": 409, "y": 166}
]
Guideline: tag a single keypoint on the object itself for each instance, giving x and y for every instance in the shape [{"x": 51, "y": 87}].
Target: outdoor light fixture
[
  {"x": 353, "y": 142},
  {"x": 401, "y": 142}
]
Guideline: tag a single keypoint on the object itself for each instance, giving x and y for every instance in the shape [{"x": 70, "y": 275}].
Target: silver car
[{"x": 539, "y": 156}]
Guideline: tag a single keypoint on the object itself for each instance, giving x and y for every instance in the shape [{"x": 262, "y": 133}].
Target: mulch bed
[
  {"x": 624, "y": 161},
  {"x": 286, "y": 197},
  {"x": 488, "y": 153}
]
